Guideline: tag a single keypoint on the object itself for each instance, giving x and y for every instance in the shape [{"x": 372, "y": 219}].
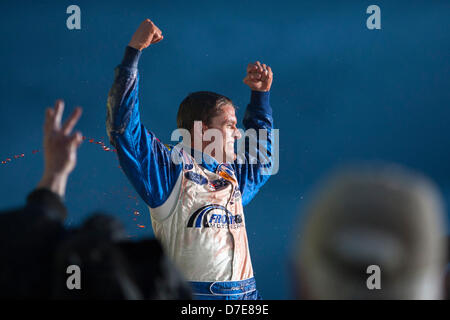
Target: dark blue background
[{"x": 341, "y": 93}]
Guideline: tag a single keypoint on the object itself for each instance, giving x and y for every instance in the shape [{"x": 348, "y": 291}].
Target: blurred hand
[
  {"x": 147, "y": 33},
  {"x": 60, "y": 147},
  {"x": 259, "y": 77}
]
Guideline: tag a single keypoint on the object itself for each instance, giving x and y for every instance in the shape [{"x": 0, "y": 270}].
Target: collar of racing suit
[{"x": 203, "y": 159}]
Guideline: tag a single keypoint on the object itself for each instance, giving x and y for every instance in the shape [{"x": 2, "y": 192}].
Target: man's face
[{"x": 226, "y": 122}]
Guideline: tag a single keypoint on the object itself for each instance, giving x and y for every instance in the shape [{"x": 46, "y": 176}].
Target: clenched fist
[
  {"x": 146, "y": 34},
  {"x": 259, "y": 77}
]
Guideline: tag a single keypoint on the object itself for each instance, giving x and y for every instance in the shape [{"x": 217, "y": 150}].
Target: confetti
[
  {"x": 35, "y": 151},
  {"x": 104, "y": 148}
]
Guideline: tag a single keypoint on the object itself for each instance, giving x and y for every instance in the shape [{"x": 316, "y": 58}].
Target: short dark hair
[{"x": 200, "y": 106}]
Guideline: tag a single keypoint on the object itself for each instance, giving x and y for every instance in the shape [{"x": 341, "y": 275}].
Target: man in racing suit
[{"x": 196, "y": 203}]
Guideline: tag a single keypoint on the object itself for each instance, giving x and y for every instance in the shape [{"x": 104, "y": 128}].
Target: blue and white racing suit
[{"x": 196, "y": 208}]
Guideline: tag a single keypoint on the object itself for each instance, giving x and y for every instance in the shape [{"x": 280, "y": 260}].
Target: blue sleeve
[
  {"x": 144, "y": 159},
  {"x": 253, "y": 164}
]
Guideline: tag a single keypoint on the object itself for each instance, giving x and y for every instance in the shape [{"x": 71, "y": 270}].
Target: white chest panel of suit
[{"x": 203, "y": 226}]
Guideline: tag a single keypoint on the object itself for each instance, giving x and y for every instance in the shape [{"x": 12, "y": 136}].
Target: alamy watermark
[
  {"x": 374, "y": 280},
  {"x": 74, "y": 280},
  {"x": 73, "y": 22},
  {"x": 374, "y": 20},
  {"x": 255, "y": 147}
]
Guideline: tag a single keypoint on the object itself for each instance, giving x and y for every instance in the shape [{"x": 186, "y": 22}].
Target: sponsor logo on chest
[{"x": 214, "y": 216}]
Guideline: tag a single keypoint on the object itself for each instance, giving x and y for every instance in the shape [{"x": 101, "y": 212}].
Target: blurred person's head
[
  {"x": 114, "y": 268},
  {"x": 385, "y": 216},
  {"x": 447, "y": 273}
]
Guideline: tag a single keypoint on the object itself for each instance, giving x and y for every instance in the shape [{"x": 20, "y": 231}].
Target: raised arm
[
  {"x": 144, "y": 159},
  {"x": 60, "y": 148},
  {"x": 254, "y": 163}
]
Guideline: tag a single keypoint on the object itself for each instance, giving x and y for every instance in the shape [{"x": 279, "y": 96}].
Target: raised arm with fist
[{"x": 147, "y": 34}]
